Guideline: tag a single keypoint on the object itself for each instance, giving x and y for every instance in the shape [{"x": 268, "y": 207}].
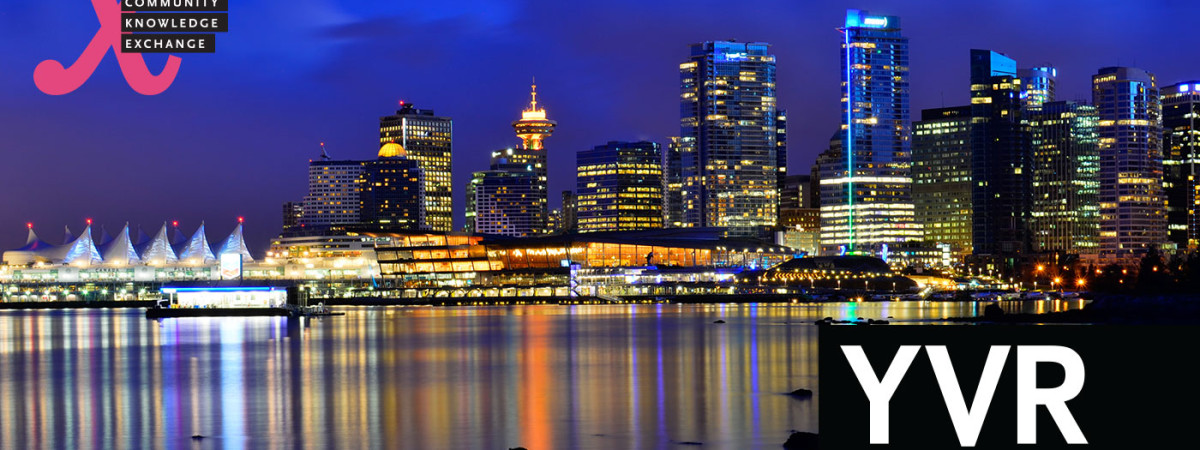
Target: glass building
[
  {"x": 427, "y": 140},
  {"x": 1181, "y": 153},
  {"x": 391, "y": 191},
  {"x": 1037, "y": 86},
  {"x": 728, "y": 143},
  {"x": 1000, "y": 157},
  {"x": 619, "y": 187},
  {"x": 673, "y": 184},
  {"x": 866, "y": 198},
  {"x": 941, "y": 171},
  {"x": 502, "y": 200},
  {"x": 1132, "y": 206},
  {"x": 1066, "y": 162}
]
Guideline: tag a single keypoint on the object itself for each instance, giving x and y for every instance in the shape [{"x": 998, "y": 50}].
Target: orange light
[
  {"x": 1080, "y": 282},
  {"x": 1058, "y": 280},
  {"x": 1041, "y": 268}
]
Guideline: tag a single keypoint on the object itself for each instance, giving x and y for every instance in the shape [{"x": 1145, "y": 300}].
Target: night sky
[{"x": 233, "y": 135}]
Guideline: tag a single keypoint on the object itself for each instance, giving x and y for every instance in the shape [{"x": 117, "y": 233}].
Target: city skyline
[{"x": 188, "y": 158}]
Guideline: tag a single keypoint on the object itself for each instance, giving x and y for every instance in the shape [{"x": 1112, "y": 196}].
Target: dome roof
[{"x": 392, "y": 150}]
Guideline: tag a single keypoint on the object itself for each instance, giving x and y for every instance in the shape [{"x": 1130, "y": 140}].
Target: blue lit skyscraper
[
  {"x": 866, "y": 199},
  {"x": 1038, "y": 86},
  {"x": 1000, "y": 157}
]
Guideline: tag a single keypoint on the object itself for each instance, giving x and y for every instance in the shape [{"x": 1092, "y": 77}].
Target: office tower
[
  {"x": 1066, "y": 163},
  {"x": 391, "y": 191},
  {"x": 673, "y": 216},
  {"x": 866, "y": 198},
  {"x": 293, "y": 213},
  {"x": 1000, "y": 157},
  {"x": 781, "y": 156},
  {"x": 728, "y": 141},
  {"x": 941, "y": 172},
  {"x": 503, "y": 199},
  {"x": 1037, "y": 86},
  {"x": 333, "y": 194},
  {"x": 796, "y": 204},
  {"x": 1181, "y": 153},
  {"x": 533, "y": 128},
  {"x": 620, "y": 187},
  {"x": 427, "y": 140},
  {"x": 1132, "y": 207},
  {"x": 570, "y": 212}
]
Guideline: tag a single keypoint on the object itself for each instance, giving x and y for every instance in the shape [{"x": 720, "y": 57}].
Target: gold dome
[{"x": 392, "y": 150}]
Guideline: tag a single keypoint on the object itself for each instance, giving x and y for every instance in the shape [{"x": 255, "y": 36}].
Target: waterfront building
[
  {"x": 293, "y": 214},
  {"x": 866, "y": 196},
  {"x": 781, "y": 154},
  {"x": 728, "y": 149},
  {"x": 673, "y": 216},
  {"x": 1000, "y": 157},
  {"x": 619, "y": 187},
  {"x": 1066, "y": 163},
  {"x": 1181, "y": 154},
  {"x": 1037, "y": 86},
  {"x": 797, "y": 204},
  {"x": 1132, "y": 206},
  {"x": 333, "y": 193},
  {"x": 426, "y": 139},
  {"x": 391, "y": 191},
  {"x": 504, "y": 199},
  {"x": 941, "y": 172}
]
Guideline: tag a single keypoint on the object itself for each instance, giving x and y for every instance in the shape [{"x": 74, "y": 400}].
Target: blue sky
[{"x": 233, "y": 134}]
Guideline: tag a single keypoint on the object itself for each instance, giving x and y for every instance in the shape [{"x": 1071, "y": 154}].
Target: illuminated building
[
  {"x": 619, "y": 187},
  {"x": 797, "y": 204},
  {"x": 1066, "y": 161},
  {"x": 1132, "y": 207},
  {"x": 1181, "y": 153},
  {"x": 673, "y": 184},
  {"x": 866, "y": 197},
  {"x": 533, "y": 128},
  {"x": 293, "y": 213},
  {"x": 570, "y": 211},
  {"x": 941, "y": 172},
  {"x": 781, "y": 156},
  {"x": 391, "y": 191},
  {"x": 1000, "y": 157},
  {"x": 427, "y": 140},
  {"x": 1037, "y": 86},
  {"x": 503, "y": 200},
  {"x": 333, "y": 193},
  {"x": 728, "y": 146}
]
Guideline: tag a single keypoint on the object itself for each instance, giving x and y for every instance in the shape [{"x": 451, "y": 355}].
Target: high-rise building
[
  {"x": 391, "y": 191},
  {"x": 1037, "y": 86},
  {"x": 1132, "y": 207},
  {"x": 333, "y": 194},
  {"x": 293, "y": 213},
  {"x": 1181, "y": 154},
  {"x": 1000, "y": 157},
  {"x": 781, "y": 155},
  {"x": 728, "y": 141},
  {"x": 866, "y": 198},
  {"x": 570, "y": 212},
  {"x": 941, "y": 171},
  {"x": 533, "y": 128},
  {"x": 1066, "y": 162},
  {"x": 501, "y": 200},
  {"x": 427, "y": 140},
  {"x": 620, "y": 187},
  {"x": 673, "y": 216},
  {"x": 797, "y": 202}
]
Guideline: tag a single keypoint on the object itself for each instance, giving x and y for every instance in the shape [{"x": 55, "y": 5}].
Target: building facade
[
  {"x": 620, "y": 187},
  {"x": 1037, "y": 86},
  {"x": 941, "y": 172},
  {"x": 391, "y": 191},
  {"x": 866, "y": 198},
  {"x": 797, "y": 204},
  {"x": 728, "y": 145},
  {"x": 533, "y": 128},
  {"x": 503, "y": 200},
  {"x": 1181, "y": 154},
  {"x": 333, "y": 193},
  {"x": 672, "y": 164},
  {"x": 1132, "y": 206},
  {"x": 1000, "y": 157},
  {"x": 427, "y": 139},
  {"x": 1066, "y": 162}
]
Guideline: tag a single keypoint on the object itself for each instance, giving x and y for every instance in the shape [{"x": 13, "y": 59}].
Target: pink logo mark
[{"x": 51, "y": 78}]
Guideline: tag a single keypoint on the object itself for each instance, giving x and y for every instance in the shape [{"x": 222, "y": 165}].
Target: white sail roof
[
  {"x": 67, "y": 236},
  {"x": 159, "y": 251},
  {"x": 120, "y": 250},
  {"x": 235, "y": 243},
  {"x": 82, "y": 250},
  {"x": 197, "y": 249}
]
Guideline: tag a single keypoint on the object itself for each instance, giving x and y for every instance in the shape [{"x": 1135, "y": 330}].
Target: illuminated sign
[
  {"x": 737, "y": 56},
  {"x": 1183, "y": 88},
  {"x": 875, "y": 21},
  {"x": 231, "y": 266}
]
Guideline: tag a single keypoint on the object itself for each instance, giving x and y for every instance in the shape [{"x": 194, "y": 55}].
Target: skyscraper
[
  {"x": 1181, "y": 154},
  {"x": 293, "y": 212},
  {"x": 1037, "y": 86},
  {"x": 941, "y": 172},
  {"x": 391, "y": 191},
  {"x": 333, "y": 194},
  {"x": 797, "y": 202},
  {"x": 866, "y": 198},
  {"x": 1132, "y": 208},
  {"x": 673, "y": 211},
  {"x": 501, "y": 200},
  {"x": 1066, "y": 161},
  {"x": 619, "y": 187},
  {"x": 427, "y": 139},
  {"x": 533, "y": 127},
  {"x": 1000, "y": 157},
  {"x": 728, "y": 142}
]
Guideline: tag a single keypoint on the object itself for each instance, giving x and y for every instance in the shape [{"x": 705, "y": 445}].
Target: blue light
[
  {"x": 218, "y": 289},
  {"x": 858, "y": 19},
  {"x": 1196, "y": 87},
  {"x": 1183, "y": 88}
]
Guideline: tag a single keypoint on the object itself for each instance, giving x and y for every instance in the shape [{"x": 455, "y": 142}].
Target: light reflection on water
[{"x": 643, "y": 376}]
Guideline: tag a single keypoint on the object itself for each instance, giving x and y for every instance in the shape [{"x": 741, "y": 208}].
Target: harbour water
[{"x": 546, "y": 376}]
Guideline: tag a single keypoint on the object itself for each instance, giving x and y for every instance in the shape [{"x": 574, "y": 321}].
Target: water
[{"x": 645, "y": 376}]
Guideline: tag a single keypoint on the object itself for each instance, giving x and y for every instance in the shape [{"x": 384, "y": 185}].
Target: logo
[{"x": 125, "y": 33}]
